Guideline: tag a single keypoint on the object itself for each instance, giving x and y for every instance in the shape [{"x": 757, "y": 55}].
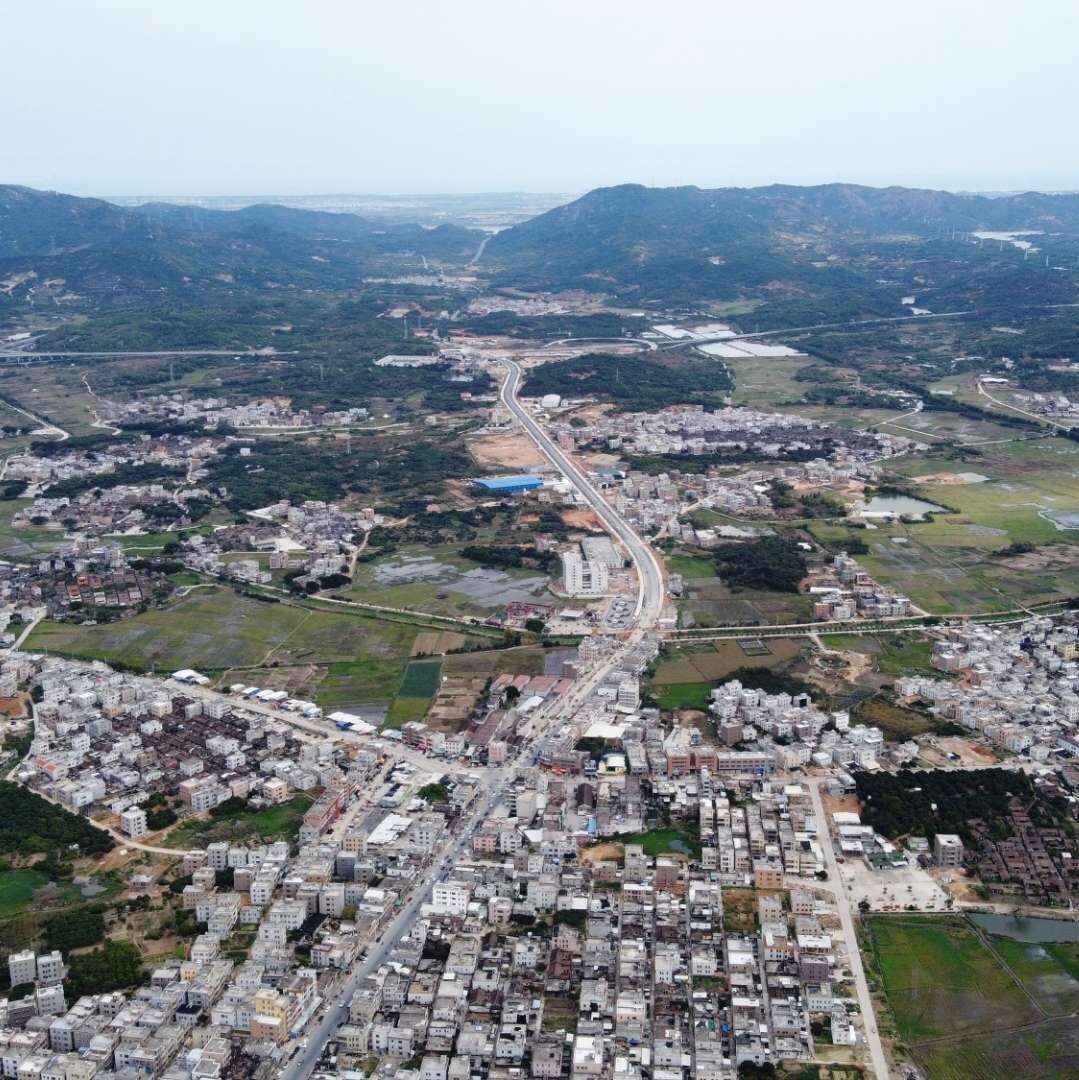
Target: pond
[
  {"x": 899, "y": 506},
  {"x": 1062, "y": 519},
  {"x": 1022, "y": 928}
]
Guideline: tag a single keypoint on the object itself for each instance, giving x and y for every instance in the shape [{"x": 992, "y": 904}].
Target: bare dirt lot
[
  {"x": 602, "y": 852},
  {"x": 505, "y": 451},
  {"x": 582, "y": 519}
]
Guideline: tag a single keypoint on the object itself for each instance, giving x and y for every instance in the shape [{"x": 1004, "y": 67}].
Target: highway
[
  {"x": 539, "y": 732},
  {"x": 650, "y": 590}
]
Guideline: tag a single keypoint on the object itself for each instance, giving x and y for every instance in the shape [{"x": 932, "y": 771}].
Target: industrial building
[{"x": 509, "y": 485}]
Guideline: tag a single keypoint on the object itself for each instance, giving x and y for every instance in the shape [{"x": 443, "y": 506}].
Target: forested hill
[
  {"x": 690, "y": 242},
  {"x": 673, "y": 219},
  {"x": 109, "y": 253}
]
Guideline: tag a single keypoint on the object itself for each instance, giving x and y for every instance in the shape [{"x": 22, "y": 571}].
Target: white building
[
  {"x": 584, "y": 577},
  {"x": 133, "y": 822},
  {"x": 451, "y": 897}
]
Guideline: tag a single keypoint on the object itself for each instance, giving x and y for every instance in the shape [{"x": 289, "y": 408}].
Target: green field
[
  {"x": 1046, "y": 1051},
  {"x": 17, "y": 889},
  {"x": 1049, "y": 971},
  {"x": 419, "y": 685},
  {"x": 689, "y": 695},
  {"x": 359, "y": 682},
  {"x": 280, "y": 822},
  {"x": 216, "y": 629},
  {"x": 54, "y": 392},
  {"x": 948, "y": 564},
  {"x": 22, "y": 544},
  {"x": 710, "y": 663},
  {"x": 664, "y": 842},
  {"x": 962, "y": 1013}
]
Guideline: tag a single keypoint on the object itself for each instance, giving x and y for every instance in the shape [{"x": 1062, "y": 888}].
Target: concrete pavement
[{"x": 650, "y": 594}]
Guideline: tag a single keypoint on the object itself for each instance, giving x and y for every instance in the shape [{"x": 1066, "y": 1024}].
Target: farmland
[
  {"x": 950, "y": 564},
  {"x": 962, "y": 1013},
  {"x": 697, "y": 664}
]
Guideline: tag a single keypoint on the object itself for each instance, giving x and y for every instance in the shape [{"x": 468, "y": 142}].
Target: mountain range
[{"x": 662, "y": 245}]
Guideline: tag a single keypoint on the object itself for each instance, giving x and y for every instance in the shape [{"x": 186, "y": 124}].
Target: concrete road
[
  {"x": 844, "y": 904},
  {"x": 333, "y": 1012},
  {"x": 649, "y": 574}
]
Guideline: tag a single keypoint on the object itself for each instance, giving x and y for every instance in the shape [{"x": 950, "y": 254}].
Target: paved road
[
  {"x": 854, "y": 957},
  {"x": 540, "y": 732},
  {"x": 333, "y": 1013},
  {"x": 649, "y": 573}
]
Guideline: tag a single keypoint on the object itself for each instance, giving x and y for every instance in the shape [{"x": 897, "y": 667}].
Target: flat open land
[
  {"x": 280, "y": 822},
  {"x": 213, "y": 629},
  {"x": 963, "y": 1014},
  {"x": 710, "y": 663},
  {"x": 55, "y": 392},
  {"x": 709, "y": 601},
  {"x": 941, "y": 980},
  {"x": 24, "y": 544},
  {"x": 1048, "y": 970},
  {"x": 17, "y": 888},
  {"x": 438, "y": 580},
  {"x": 948, "y": 564},
  {"x": 344, "y": 659},
  {"x": 507, "y": 452}
]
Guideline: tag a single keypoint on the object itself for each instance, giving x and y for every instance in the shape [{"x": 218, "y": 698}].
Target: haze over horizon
[{"x": 125, "y": 99}]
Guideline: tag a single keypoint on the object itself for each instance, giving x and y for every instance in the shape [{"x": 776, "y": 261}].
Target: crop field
[
  {"x": 1046, "y": 1051},
  {"x": 421, "y": 679},
  {"x": 216, "y": 629},
  {"x": 941, "y": 980},
  {"x": 1049, "y": 971},
  {"x": 963, "y": 1014},
  {"x": 713, "y": 662}
]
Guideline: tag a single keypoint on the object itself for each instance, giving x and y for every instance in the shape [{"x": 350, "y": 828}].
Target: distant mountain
[
  {"x": 654, "y": 239},
  {"x": 107, "y": 252}
]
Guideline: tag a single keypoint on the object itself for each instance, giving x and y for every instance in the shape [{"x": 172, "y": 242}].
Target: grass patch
[
  {"x": 940, "y": 979},
  {"x": 1049, "y": 970},
  {"x": 897, "y": 724},
  {"x": 17, "y": 889},
  {"x": 691, "y": 695},
  {"x": 281, "y": 822},
  {"x": 691, "y": 567},
  {"x": 672, "y": 841}
]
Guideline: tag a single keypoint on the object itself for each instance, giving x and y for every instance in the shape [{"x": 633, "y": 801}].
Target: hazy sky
[{"x": 242, "y": 97}]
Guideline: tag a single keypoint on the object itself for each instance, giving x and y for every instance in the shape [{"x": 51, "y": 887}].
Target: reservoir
[
  {"x": 899, "y": 506},
  {"x": 1031, "y": 930}
]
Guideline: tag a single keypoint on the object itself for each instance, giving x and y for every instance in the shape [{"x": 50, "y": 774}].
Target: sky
[{"x": 238, "y": 97}]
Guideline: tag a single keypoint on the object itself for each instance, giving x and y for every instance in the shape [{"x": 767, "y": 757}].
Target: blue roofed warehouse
[{"x": 508, "y": 485}]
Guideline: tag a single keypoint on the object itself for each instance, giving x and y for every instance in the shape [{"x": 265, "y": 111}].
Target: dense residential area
[{"x": 458, "y": 649}]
